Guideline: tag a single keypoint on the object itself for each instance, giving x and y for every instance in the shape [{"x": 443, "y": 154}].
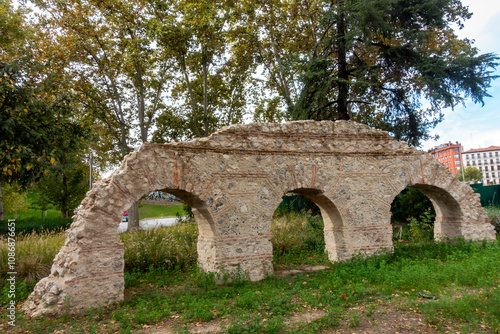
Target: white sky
[{"x": 475, "y": 126}]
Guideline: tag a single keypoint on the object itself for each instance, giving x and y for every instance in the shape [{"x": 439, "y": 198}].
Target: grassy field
[
  {"x": 160, "y": 211},
  {"x": 446, "y": 287},
  {"x": 145, "y": 211},
  {"x": 34, "y": 214}
]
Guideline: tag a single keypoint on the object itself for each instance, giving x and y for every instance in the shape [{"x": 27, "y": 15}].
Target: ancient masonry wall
[{"x": 234, "y": 180}]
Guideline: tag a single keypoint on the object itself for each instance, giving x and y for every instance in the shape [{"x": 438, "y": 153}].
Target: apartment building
[
  {"x": 449, "y": 155},
  {"x": 487, "y": 160}
]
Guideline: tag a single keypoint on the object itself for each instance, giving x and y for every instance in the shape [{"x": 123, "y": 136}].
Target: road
[{"x": 147, "y": 224}]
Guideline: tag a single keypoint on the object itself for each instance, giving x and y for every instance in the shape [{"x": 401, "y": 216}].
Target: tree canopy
[
  {"x": 393, "y": 64},
  {"x": 173, "y": 70},
  {"x": 36, "y": 121},
  {"x": 471, "y": 174}
]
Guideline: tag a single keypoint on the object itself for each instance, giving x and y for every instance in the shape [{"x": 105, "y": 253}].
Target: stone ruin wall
[{"x": 234, "y": 181}]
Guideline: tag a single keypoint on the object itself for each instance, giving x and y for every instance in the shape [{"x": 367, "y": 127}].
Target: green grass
[
  {"x": 191, "y": 296},
  {"x": 163, "y": 284},
  {"x": 34, "y": 214},
  {"x": 475, "y": 311},
  {"x": 28, "y": 226},
  {"x": 160, "y": 211}
]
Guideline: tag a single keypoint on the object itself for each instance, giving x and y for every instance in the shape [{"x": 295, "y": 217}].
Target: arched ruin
[{"x": 235, "y": 179}]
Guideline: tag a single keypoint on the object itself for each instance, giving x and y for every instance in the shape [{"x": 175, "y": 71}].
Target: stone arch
[
  {"x": 234, "y": 179},
  {"x": 88, "y": 271},
  {"x": 449, "y": 216},
  {"x": 332, "y": 219},
  {"x": 458, "y": 208}
]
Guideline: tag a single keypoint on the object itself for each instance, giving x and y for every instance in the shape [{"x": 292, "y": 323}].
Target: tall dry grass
[
  {"x": 34, "y": 254},
  {"x": 295, "y": 231},
  {"x": 168, "y": 247}
]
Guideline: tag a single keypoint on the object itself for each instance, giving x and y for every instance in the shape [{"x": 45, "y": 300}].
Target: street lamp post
[{"x": 90, "y": 158}]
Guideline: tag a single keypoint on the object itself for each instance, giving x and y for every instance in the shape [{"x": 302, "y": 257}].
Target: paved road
[{"x": 147, "y": 224}]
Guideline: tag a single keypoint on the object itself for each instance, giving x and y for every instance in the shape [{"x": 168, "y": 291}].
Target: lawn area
[
  {"x": 160, "y": 211},
  {"x": 145, "y": 211},
  {"x": 432, "y": 287},
  {"x": 34, "y": 214}
]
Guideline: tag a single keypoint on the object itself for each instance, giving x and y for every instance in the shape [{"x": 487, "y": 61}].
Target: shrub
[
  {"x": 36, "y": 225},
  {"x": 168, "y": 247},
  {"x": 295, "y": 231},
  {"x": 494, "y": 214},
  {"x": 34, "y": 255}
]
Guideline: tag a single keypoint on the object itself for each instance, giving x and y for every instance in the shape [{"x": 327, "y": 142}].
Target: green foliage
[
  {"x": 170, "y": 247},
  {"x": 478, "y": 311},
  {"x": 423, "y": 227},
  {"x": 190, "y": 295},
  {"x": 378, "y": 62},
  {"x": 37, "y": 225},
  {"x": 64, "y": 187},
  {"x": 471, "y": 174},
  {"x": 160, "y": 211},
  {"x": 14, "y": 199},
  {"x": 36, "y": 121},
  {"x": 410, "y": 203},
  {"x": 11, "y": 29}
]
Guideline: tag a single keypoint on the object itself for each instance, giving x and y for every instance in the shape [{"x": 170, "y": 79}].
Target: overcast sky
[{"x": 475, "y": 126}]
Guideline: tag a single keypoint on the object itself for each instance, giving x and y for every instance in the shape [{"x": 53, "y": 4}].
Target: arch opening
[
  {"x": 172, "y": 221},
  {"x": 306, "y": 220},
  {"x": 412, "y": 216},
  {"x": 449, "y": 216},
  {"x": 426, "y": 212}
]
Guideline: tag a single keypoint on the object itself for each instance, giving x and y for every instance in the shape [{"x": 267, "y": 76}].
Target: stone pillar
[{"x": 84, "y": 274}]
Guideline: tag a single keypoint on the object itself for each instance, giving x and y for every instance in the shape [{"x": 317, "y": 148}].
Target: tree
[
  {"x": 35, "y": 120},
  {"x": 211, "y": 85},
  {"x": 64, "y": 187},
  {"x": 410, "y": 203},
  {"x": 13, "y": 199},
  {"x": 379, "y": 62},
  {"x": 12, "y": 30},
  {"x": 471, "y": 174},
  {"x": 105, "y": 45}
]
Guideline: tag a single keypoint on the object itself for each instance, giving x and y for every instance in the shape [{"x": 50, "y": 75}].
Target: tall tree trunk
[
  {"x": 205, "y": 92},
  {"x": 342, "y": 64},
  {"x": 141, "y": 104},
  {"x": 133, "y": 217},
  {"x": 182, "y": 62},
  {"x": 2, "y": 214}
]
